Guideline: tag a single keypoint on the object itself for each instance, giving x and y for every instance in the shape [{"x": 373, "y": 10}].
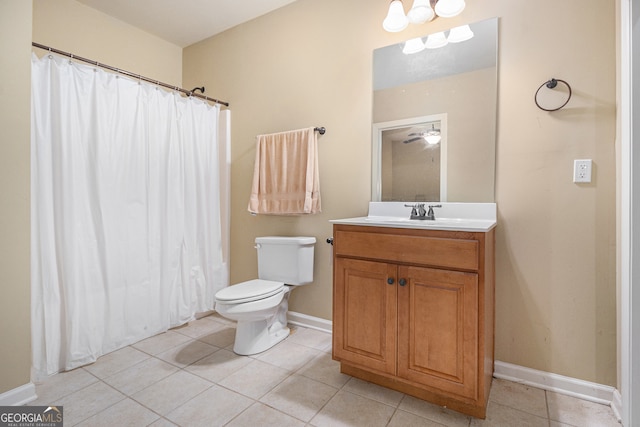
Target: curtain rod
[{"x": 130, "y": 74}]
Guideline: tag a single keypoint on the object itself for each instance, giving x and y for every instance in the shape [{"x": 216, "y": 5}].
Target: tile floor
[{"x": 190, "y": 377}]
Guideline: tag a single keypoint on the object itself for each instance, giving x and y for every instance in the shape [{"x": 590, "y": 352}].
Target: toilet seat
[{"x": 251, "y": 290}]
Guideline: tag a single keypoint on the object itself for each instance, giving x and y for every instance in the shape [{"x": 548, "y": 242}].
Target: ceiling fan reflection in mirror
[{"x": 432, "y": 136}]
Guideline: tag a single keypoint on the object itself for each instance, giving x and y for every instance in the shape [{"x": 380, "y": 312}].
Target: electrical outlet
[{"x": 582, "y": 170}]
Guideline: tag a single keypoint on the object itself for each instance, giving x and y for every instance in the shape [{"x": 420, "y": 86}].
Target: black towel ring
[{"x": 552, "y": 84}]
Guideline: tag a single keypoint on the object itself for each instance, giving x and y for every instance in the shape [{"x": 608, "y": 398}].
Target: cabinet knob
[
  {"x": 402, "y": 282},
  {"x": 390, "y": 280}
]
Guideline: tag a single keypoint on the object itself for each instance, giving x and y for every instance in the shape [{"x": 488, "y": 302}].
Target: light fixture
[
  {"x": 421, "y": 11},
  {"x": 432, "y": 136},
  {"x": 413, "y": 46},
  {"x": 460, "y": 34},
  {"x": 436, "y": 40},
  {"x": 456, "y": 35},
  {"x": 449, "y": 8},
  {"x": 396, "y": 20}
]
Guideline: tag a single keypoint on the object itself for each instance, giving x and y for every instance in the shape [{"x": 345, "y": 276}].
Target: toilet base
[{"x": 256, "y": 336}]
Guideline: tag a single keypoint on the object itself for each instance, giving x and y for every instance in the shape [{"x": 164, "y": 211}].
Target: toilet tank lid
[{"x": 280, "y": 240}]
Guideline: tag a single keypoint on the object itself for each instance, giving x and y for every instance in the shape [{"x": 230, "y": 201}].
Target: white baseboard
[
  {"x": 616, "y": 404},
  {"x": 307, "y": 321},
  {"x": 19, "y": 396},
  {"x": 581, "y": 389}
]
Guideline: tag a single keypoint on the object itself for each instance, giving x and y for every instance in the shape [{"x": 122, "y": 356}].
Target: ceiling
[{"x": 184, "y": 22}]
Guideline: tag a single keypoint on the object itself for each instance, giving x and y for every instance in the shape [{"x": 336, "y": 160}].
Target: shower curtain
[{"x": 126, "y": 200}]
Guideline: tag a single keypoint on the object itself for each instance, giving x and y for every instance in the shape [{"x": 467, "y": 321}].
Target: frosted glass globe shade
[
  {"x": 420, "y": 12},
  {"x": 449, "y": 8},
  {"x": 460, "y": 34},
  {"x": 413, "y": 46},
  {"x": 436, "y": 40},
  {"x": 396, "y": 20}
]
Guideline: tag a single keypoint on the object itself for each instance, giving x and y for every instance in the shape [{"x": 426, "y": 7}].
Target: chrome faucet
[{"x": 419, "y": 212}]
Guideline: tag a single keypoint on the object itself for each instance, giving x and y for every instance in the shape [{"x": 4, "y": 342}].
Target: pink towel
[{"x": 285, "y": 175}]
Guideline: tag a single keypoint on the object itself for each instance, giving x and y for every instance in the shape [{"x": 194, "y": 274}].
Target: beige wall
[
  {"x": 309, "y": 64},
  {"x": 15, "y": 83},
  {"x": 78, "y": 29}
]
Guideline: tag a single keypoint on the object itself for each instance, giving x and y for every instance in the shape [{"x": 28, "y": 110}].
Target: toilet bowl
[
  {"x": 261, "y": 316},
  {"x": 260, "y": 306}
]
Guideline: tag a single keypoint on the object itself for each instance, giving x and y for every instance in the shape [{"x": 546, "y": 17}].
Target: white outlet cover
[{"x": 582, "y": 170}]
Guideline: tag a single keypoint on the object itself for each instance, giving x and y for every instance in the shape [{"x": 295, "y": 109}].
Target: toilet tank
[{"x": 286, "y": 259}]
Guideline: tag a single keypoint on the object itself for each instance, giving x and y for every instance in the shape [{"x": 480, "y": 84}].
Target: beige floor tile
[
  {"x": 504, "y": 416},
  {"x": 53, "y": 389},
  {"x": 326, "y": 370},
  {"x": 140, "y": 376},
  {"x": 167, "y": 394},
  {"x": 256, "y": 379},
  {"x": 187, "y": 353},
  {"x": 124, "y": 413},
  {"x": 215, "y": 406},
  {"x": 162, "y": 423},
  {"x": 200, "y": 327},
  {"x": 89, "y": 401},
  {"x": 374, "y": 391},
  {"x": 434, "y": 412},
  {"x": 218, "y": 365},
  {"x": 264, "y": 416},
  {"x": 299, "y": 397},
  {"x": 216, "y": 317},
  {"x": 578, "y": 412},
  {"x": 311, "y": 338},
  {"x": 288, "y": 355},
  {"x": 519, "y": 396},
  {"x": 161, "y": 342},
  {"x": 221, "y": 338},
  {"x": 406, "y": 419},
  {"x": 558, "y": 424},
  {"x": 348, "y": 409},
  {"x": 116, "y": 361},
  {"x": 295, "y": 381}
]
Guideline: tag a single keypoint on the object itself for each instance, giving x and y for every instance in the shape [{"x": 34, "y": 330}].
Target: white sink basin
[
  {"x": 469, "y": 217},
  {"x": 417, "y": 222}
]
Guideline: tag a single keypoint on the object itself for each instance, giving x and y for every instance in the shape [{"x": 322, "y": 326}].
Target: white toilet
[{"x": 260, "y": 305}]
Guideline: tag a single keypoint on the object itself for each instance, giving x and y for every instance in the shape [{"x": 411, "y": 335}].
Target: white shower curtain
[{"x": 126, "y": 235}]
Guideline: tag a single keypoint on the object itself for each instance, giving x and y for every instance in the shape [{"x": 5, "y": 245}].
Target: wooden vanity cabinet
[{"x": 414, "y": 311}]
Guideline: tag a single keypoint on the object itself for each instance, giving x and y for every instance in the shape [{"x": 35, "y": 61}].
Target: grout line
[{"x": 546, "y": 401}]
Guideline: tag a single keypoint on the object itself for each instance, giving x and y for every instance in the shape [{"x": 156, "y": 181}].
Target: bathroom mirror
[{"x": 453, "y": 87}]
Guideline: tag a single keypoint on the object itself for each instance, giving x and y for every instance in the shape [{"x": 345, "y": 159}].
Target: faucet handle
[
  {"x": 431, "y": 215},
  {"x": 413, "y": 209}
]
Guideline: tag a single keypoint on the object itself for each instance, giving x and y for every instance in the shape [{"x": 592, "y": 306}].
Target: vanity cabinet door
[
  {"x": 438, "y": 329},
  {"x": 365, "y": 313}
]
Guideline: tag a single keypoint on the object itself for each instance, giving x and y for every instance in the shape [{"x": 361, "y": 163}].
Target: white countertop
[{"x": 472, "y": 217}]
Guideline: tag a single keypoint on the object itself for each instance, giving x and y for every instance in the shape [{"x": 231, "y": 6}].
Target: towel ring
[{"x": 552, "y": 84}]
